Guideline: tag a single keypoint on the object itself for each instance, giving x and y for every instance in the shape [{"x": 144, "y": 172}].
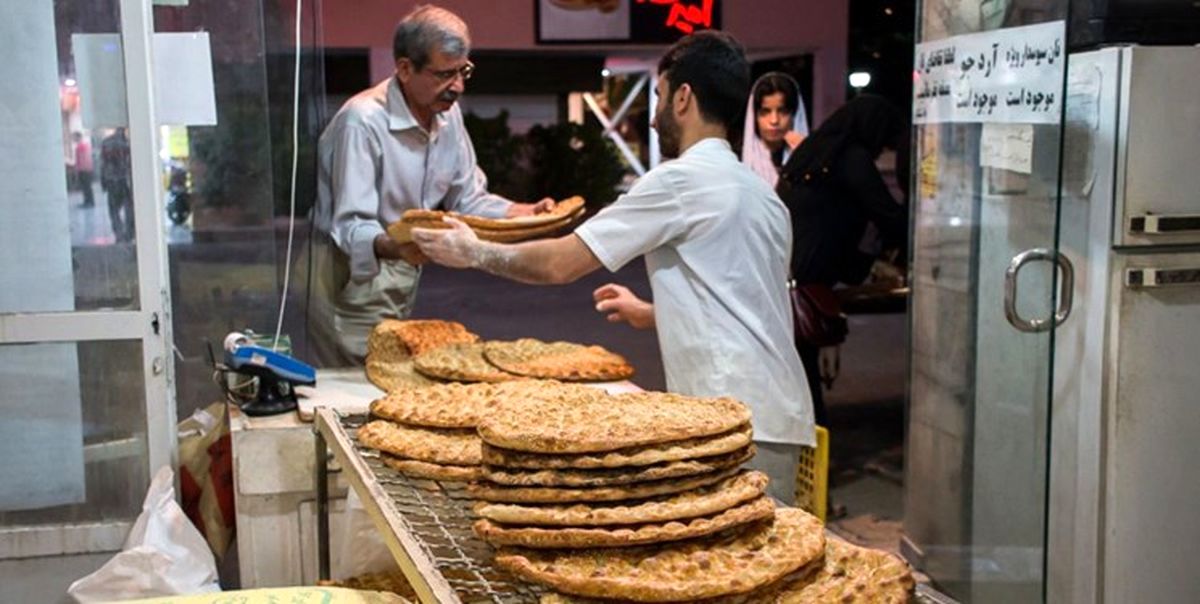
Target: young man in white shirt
[
  {"x": 716, "y": 240},
  {"x": 396, "y": 146}
]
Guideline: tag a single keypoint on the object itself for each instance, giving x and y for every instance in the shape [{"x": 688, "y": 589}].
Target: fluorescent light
[{"x": 860, "y": 79}]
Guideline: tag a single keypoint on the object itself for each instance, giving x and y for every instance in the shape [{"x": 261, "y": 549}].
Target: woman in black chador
[{"x": 833, "y": 189}]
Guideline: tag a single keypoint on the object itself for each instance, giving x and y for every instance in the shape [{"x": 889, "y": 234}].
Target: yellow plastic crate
[{"x": 812, "y": 476}]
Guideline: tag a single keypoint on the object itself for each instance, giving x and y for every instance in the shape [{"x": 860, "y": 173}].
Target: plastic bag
[
  {"x": 358, "y": 548},
  {"x": 164, "y": 554}
]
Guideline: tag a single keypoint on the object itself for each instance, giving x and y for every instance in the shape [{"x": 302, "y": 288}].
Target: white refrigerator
[{"x": 1124, "y": 494}]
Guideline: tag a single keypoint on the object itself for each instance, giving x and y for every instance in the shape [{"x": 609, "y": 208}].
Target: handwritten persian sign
[{"x": 1012, "y": 75}]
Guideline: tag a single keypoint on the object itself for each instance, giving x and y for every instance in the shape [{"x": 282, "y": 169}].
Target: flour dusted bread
[
  {"x": 465, "y": 405},
  {"x": 431, "y": 471},
  {"x": 557, "y": 360},
  {"x": 460, "y": 362},
  {"x": 681, "y": 571},
  {"x": 624, "y": 536},
  {"x": 618, "y": 476},
  {"x": 854, "y": 575},
  {"x": 453, "y": 447},
  {"x": 610, "y": 423},
  {"x": 491, "y": 492},
  {"x": 693, "y": 448},
  {"x": 702, "y": 501},
  {"x": 394, "y": 339},
  {"x": 396, "y": 375}
]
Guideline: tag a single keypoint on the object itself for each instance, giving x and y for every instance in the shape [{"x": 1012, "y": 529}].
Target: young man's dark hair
[{"x": 715, "y": 66}]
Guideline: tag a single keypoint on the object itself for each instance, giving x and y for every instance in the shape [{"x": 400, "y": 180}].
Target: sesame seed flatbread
[
  {"x": 391, "y": 376},
  {"x": 689, "y": 504},
  {"x": 460, "y": 362},
  {"x": 624, "y": 536},
  {"x": 608, "y": 477},
  {"x": 464, "y": 405},
  {"x": 681, "y": 571},
  {"x": 854, "y": 575},
  {"x": 452, "y": 447},
  {"x": 492, "y": 492},
  {"x": 394, "y": 339},
  {"x": 610, "y": 423},
  {"x": 557, "y": 360},
  {"x": 432, "y": 471},
  {"x": 692, "y": 448}
]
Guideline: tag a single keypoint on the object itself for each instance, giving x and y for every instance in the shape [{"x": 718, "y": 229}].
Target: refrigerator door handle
[
  {"x": 1164, "y": 224},
  {"x": 1137, "y": 278},
  {"x": 1066, "y": 289}
]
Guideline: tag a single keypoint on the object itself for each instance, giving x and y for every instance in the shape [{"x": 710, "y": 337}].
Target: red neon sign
[{"x": 686, "y": 16}]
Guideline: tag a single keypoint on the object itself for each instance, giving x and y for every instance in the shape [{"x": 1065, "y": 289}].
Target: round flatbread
[
  {"x": 513, "y": 235},
  {"x": 460, "y": 362},
  {"x": 681, "y": 571},
  {"x": 432, "y": 471},
  {"x": 617, "y": 476},
  {"x": 625, "y": 536},
  {"x": 703, "y": 501},
  {"x": 692, "y": 448},
  {"x": 854, "y": 575},
  {"x": 451, "y": 447},
  {"x": 491, "y": 492},
  {"x": 557, "y": 360},
  {"x": 610, "y": 423},
  {"x": 395, "y": 340},
  {"x": 465, "y": 405},
  {"x": 392, "y": 376},
  {"x": 518, "y": 228}
]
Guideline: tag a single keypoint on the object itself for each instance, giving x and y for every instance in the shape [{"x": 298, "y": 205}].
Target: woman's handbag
[{"x": 817, "y": 314}]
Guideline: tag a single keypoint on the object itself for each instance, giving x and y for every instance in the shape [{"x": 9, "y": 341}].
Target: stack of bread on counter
[{"x": 611, "y": 497}]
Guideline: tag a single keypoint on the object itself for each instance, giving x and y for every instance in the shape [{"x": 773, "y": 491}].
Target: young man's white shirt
[{"x": 717, "y": 242}]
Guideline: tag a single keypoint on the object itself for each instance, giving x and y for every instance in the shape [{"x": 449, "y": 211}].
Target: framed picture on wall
[
  {"x": 622, "y": 21},
  {"x": 582, "y": 20}
]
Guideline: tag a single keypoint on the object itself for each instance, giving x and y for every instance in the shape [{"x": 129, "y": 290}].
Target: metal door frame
[{"x": 151, "y": 325}]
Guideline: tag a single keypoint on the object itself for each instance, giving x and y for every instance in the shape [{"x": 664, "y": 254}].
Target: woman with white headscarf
[{"x": 775, "y": 124}]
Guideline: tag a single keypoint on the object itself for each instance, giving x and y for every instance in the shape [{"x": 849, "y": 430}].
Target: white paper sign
[
  {"x": 183, "y": 80},
  {"x": 1007, "y": 146},
  {"x": 1012, "y": 75}
]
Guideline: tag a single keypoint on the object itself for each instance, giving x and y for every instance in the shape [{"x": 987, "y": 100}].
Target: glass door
[
  {"x": 988, "y": 90},
  {"x": 88, "y": 414}
]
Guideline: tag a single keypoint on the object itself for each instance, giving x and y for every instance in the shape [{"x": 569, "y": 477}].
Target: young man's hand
[
  {"x": 529, "y": 209},
  {"x": 622, "y": 305},
  {"x": 455, "y": 247}
]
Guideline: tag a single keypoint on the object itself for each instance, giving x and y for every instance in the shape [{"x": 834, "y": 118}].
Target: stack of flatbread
[
  {"x": 527, "y": 358},
  {"x": 605, "y": 471},
  {"x": 431, "y": 432},
  {"x": 640, "y": 497},
  {"x": 394, "y": 343},
  {"x": 503, "y": 230}
]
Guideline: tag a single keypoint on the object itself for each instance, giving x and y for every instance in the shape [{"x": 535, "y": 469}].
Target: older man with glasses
[{"x": 396, "y": 146}]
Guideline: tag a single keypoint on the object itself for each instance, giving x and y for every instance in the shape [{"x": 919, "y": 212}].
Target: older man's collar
[{"x": 400, "y": 117}]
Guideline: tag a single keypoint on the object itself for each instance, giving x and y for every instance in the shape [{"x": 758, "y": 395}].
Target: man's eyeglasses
[{"x": 445, "y": 75}]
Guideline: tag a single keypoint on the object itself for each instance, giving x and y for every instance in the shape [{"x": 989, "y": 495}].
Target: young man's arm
[{"x": 547, "y": 261}]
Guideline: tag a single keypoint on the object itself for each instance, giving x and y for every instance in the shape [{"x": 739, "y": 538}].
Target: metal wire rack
[{"x": 426, "y": 523}]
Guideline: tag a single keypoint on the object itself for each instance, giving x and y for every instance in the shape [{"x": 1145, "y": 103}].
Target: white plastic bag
[
  {"x": 164, "y": 554},
  {"x": 358, "y": 548}
]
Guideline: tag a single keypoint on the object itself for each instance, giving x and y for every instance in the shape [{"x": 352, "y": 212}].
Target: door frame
[{"x": 150, "y": 325}]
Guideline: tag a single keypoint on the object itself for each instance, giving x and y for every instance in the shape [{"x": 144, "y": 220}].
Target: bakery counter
[{"x": 274, "y": 472}]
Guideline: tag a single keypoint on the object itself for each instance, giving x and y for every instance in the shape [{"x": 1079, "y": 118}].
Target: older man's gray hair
[{"x": 426, "y": 29}]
